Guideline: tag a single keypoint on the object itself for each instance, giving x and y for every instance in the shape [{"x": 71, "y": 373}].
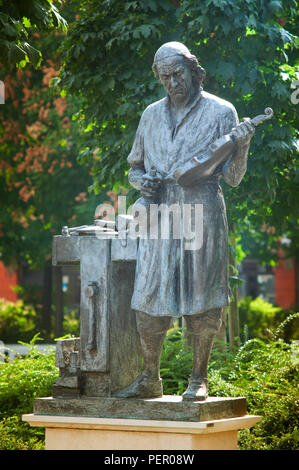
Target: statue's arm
[
  {"x": 235, "y": 167},
  {"x": 136, "y": 158},
  {"x": 145, "y": 180},
  {"x": 135, "y": 177}
]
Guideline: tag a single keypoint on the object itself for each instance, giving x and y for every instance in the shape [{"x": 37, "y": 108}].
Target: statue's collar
[{"x": 192, "y": 103}]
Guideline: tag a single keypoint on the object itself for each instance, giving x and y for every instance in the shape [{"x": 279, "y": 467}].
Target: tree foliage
[
  {"x": 18, "y": 20},
  {"x": 41, "y": 182},
  {"x": 248, "y": 51}
]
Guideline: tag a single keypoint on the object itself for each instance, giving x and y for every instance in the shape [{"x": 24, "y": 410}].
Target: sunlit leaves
[{"x": 17, "y": 23}]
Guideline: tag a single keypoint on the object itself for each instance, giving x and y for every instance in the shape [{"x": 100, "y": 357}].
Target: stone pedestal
[
  {"x": 85, "y": 433},
  {"x": 148, "y": 424},
  {"x": 168, "y": 408}
]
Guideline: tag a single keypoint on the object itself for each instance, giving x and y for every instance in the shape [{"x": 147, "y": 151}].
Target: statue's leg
[
  {"x": 202, "y": 328},
  {"x": 152, "y": 331}
]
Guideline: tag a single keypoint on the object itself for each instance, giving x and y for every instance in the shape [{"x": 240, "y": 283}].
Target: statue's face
[{"x": 176, "y": 77}]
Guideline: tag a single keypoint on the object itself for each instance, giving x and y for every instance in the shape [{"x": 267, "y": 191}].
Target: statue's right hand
[{"x": 149, "y": 185}]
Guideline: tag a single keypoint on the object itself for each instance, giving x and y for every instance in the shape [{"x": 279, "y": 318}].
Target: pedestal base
[
  {"x": 168, "y": 407},
  {"x": 85, "y": 433}
]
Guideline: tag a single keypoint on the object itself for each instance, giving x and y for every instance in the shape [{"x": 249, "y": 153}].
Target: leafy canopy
[
  {"x": 41, "y": 182},
  {"x": 18, "y": 20},
  {"x": 248, "y": 50}
]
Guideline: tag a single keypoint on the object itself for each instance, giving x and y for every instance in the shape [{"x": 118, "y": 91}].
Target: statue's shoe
[
  {"x": 197, "y": 390},
  {"x": 142, "y": 387}
]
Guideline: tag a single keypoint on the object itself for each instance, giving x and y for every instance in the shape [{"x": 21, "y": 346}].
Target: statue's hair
[{"x": 198, "y": 72}]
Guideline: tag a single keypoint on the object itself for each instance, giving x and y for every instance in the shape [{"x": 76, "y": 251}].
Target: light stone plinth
[{"x": 82, "y": 433}]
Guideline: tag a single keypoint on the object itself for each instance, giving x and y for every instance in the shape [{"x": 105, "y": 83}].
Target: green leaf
[
  {"x": 58, "y": 20},
  {"x": 26, "y": 22},
  {"x": 146, "y": 30},
  {"x": 33, "y": 54},
  {"x": 10, "y": 30},
  {"x": 15, "y": 53},
  {"x": 275, "y": 6},
  {"x": 226, "y": 69}
]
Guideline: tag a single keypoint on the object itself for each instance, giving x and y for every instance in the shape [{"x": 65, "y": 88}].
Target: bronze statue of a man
[{"x": 171, "y": 281}]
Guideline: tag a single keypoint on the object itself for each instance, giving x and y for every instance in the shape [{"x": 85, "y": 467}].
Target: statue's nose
[{"x": 173, "y": 81}]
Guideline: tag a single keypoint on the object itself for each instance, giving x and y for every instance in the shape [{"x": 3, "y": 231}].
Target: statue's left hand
[{"x": 243, "y": 133}]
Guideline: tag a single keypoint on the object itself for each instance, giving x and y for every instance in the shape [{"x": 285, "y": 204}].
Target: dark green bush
[
  {"x": 257, "y": 317},
  {"x": 21, "y": 380},
  {"x": 17, "y": 435},
  {"x": 71, "y": 323},
  {"x": 16, "y": 321},
  {"x": 266, "y": 372},
  {"x": 176, "y": 362},
  {"x": 20, "y": 321}
]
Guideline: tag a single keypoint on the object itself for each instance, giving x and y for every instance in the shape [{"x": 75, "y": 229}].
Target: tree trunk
[
  {"x": 47, "y": 301},
  {"x": 296, "y": 264},
  {"x": 58, "y": 302},
  {"x": 220, "y": 338},
  {"x": 233, "y": 312}
]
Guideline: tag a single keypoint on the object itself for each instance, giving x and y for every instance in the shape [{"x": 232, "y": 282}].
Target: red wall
[
  {"x": 7, "y": 280},
  {"x": 285, "y": 287}
]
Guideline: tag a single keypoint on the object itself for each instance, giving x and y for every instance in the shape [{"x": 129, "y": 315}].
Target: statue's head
[{"x": 178, "y": 70}]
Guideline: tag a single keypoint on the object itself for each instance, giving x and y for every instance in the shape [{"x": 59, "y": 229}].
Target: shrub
[
  {"x": 16, "y": 321},
  {"x": 71, "y": 323},
  {"x": 17, "y": 435},
  {"x": 19, "y": 321},
  {"x": 21, "y": 380},
  {"x": 266, "y": 372},
  {"x": 257, "y": 317},
  {"x": 176, "y": 363}
]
